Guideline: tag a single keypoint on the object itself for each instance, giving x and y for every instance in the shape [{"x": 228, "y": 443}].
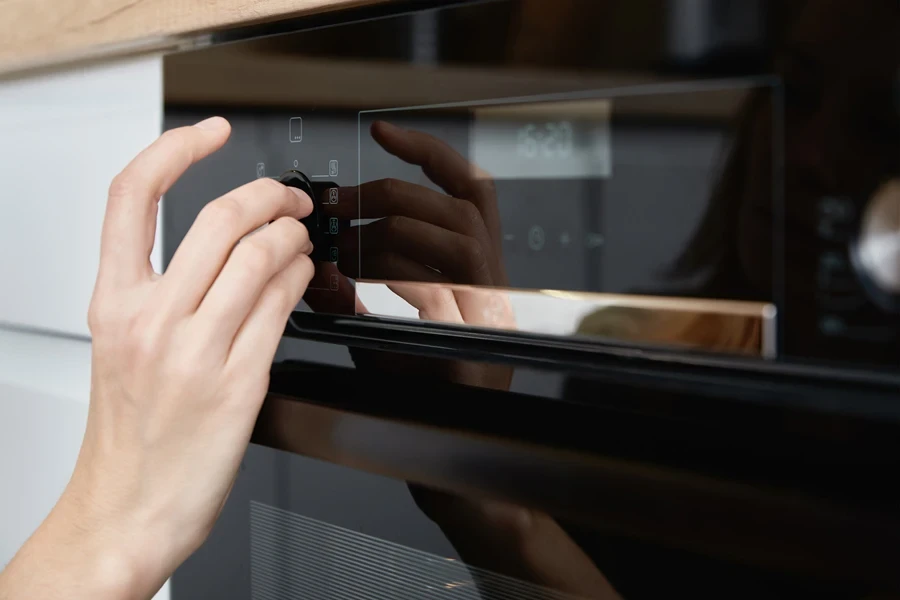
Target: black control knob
[
  {"x": 876, "y": 249},
  {"x": 320, "y": 228},
  {"x": 299, "y": 180}
]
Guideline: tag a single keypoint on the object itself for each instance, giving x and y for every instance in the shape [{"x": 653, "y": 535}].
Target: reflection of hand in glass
[
  {"x": 514, "y": 541},
  {"x": 440, "y": 252},
  {"x": 424, "y": 243},
  {"x": 432, "y": 249}
]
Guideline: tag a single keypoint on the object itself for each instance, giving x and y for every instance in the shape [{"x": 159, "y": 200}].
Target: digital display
[
  {"x": 543, "y": 140},
  {"x": 551, "y": 140}
]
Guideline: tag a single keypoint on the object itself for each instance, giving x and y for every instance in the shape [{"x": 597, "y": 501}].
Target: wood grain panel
[
  {"x": 225, "y": 78},
  {"x": 37, "y": 33}
]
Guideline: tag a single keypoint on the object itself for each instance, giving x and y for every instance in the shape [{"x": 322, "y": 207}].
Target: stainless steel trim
[
  {"x": 770, "y": 332},
  {"x": 715, "y": 326}
]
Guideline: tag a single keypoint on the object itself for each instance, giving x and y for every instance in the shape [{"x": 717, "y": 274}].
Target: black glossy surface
[
  {"x": 743, "y": 146},
  {"x": 315, "y": 223},
  {"x": 744, "y": 142}
]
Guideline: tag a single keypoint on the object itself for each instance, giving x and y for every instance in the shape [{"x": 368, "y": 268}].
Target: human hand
[
  {"x": 423, "y": 235},
  {"x": 440, "y": 252},
  {"x": 180, "y": 368}
]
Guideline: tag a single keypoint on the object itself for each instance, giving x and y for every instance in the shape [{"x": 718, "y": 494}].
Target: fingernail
[{"x": 211, "y": 124}]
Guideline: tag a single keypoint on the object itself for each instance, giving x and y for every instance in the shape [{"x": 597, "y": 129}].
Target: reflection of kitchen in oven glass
[
  {"x": 650, "y": 176},
  {"x": 595, "y": 192}
]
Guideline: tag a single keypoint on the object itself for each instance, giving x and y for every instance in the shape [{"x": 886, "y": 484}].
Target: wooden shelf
[
  {"x": 42, "y": 33},
  {"x": 222, "y": 77}
]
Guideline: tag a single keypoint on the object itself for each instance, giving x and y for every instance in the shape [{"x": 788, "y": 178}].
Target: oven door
[
  {"x": 600, "y": 306},
  {"x": 374, "y": 487}
]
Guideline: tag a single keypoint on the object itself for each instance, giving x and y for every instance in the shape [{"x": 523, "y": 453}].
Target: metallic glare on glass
[
  {"x": 719, "y": 326},
  {"x": 876, "y": 252}
]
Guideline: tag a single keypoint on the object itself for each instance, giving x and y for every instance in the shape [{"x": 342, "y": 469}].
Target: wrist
[
  {"x": 111, "y": 558},
  {"x": 65, "y": 559}
]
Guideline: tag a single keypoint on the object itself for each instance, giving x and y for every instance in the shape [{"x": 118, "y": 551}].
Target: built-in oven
[{"x": 606, "y": 305}]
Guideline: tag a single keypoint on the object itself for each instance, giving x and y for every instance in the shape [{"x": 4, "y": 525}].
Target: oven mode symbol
[
  {"x": 296, "y": 130},
  {"x": 536, "y": 238}
]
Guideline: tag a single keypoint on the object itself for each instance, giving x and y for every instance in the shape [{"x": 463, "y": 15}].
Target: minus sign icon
[
  {"x": 319, "y": 176},
  {"x": 509, "y": 237}
]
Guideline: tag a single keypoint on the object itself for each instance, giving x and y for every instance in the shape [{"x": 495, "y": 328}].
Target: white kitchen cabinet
[{"x": 63, "y": 136}]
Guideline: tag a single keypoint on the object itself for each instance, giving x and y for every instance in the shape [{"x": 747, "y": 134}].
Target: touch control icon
[
  {"x": 594, "y": 240},
  {"x": 333, "y": 196},
  {"x": 835, "y": 214},
  {"x": 536, "y": 238},
  {"x": 296, "y": 130},
  {"x": 333, "y": 225},
  {"x": 831, "y": 325},
  {"x": 332, "y": 168},
  {"x": 334, "y": 283},
  {"x": 260, "y": 170}
]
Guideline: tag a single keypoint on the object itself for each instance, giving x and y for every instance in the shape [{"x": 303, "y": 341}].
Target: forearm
[
  {"x": 68, "y": 558},
  {"x": 180, "y": 365}
]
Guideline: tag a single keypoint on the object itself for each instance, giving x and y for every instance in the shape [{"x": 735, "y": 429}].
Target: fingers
[
  {"x": 257, "y": 339},
  {"x": 485, "y": 308},
  {"x": 450, "y": 170},
  {"x": 386, "y": 197},
  {"x": 440, "y": 163},
  {"x": 394, "y": 197},
  {"x": 331, "y": 292},
  {"x": 424, "y": 289},
  {"x": 422, "y": 262},
  {"x": 433, "y": 301},
  {"x": 377, "y": 263},
  {"x": 252, "y": 264},
  {"x": 219, "y": 226},
  {"x": 436, "y": 298},
  {"x": 460, "y": 258},
  {"x": 129, "y": 227}
]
